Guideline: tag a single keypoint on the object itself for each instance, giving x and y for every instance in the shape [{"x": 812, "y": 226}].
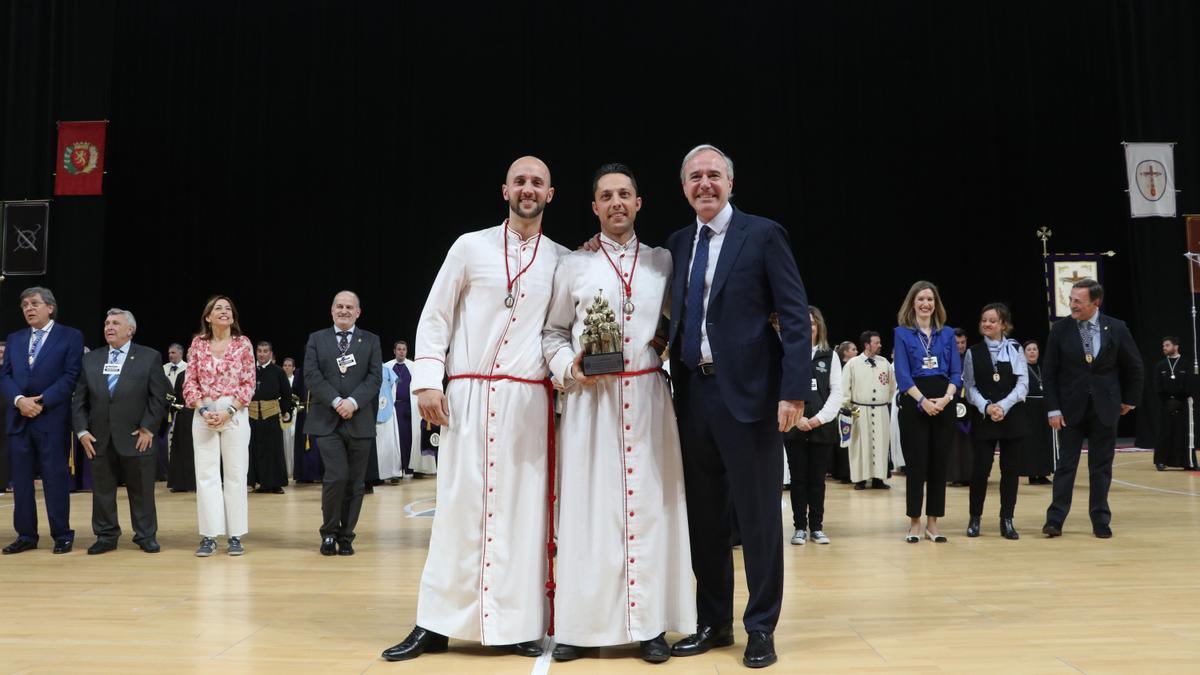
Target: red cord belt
[{"x": 551, "y": 547}]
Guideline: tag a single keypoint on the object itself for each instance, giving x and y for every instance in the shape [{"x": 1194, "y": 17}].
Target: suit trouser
[
  {"x": 346, "y": 460},
  {"x": 222, "y": 512},
  {"x": 28, "y": 450},
  {"x": 726, "y": 461},
  {"x": 1010, "y": 473},
  {"x": 1102, "y": 443},
  {"x": 139, "y": 471},
  {"x": 808, "y": 462},
  {"x": 926, "y": 441}
]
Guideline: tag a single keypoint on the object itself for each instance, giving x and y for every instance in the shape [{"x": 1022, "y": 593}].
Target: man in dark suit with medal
[
  {"x": 40, "y": 368},
  {"x": 342, "y": 369},
  {"x": 1092, "y": 374},
  {"x": 120, "y": 398},
  {"x": 738, "y": 387}
]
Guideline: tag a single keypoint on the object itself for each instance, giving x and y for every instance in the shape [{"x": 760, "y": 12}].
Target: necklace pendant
[
  {"x": 509, "y": 301},
  {"x": 628, "y": 306},
  {"x": 1172, "y": 376},
  {"x": 995, "y": 377},
  {"x": 1088, "y": 358}
]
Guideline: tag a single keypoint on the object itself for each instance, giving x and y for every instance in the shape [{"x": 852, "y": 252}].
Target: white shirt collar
[
  {"x": 719, "y": 222},
  {"x": 349, "y": 330},
  {"x": 45, "y": 329},
  {"x": 630, "y": 243},
  {"x": 124, "y": 349}
]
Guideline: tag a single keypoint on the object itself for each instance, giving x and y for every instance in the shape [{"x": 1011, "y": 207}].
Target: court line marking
[{"x": 1147, "y": 487}]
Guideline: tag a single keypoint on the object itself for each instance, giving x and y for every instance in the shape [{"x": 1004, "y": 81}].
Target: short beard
[{"x": 515, "y": 205}]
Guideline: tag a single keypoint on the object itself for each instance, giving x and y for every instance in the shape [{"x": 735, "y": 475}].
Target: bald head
[
  {"x": 345, "y": 310},
  {"x": 527, "y": 189},
  {"x": 528, "y": 165}
]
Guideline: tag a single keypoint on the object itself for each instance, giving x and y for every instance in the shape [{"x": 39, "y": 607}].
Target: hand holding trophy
[{"x": 600, "y": 342}]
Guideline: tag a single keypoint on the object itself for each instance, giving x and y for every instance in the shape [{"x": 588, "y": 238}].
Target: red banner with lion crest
[{"x": 79, "y": 164}]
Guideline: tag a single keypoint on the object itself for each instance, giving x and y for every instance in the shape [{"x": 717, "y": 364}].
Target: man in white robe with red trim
[
  {"x": 624, "y": 562},
  {"x": 486, "y": 574}
]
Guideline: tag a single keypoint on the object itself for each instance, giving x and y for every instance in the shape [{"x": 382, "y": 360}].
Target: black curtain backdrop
[{"x": 281, "y": 151}]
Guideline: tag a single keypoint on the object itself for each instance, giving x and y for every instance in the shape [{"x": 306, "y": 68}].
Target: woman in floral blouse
[{"x": 219, "y": 386}]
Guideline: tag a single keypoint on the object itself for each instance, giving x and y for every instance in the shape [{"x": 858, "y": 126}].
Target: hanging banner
[
  {"x": 79, "y": 168},
  {"x": 1193, "y": 246},
  {"x": 1150, "y": 168},
  {"x": 26, "y": 227}
]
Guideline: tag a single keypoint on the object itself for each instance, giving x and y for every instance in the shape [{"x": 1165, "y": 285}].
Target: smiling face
[
  {"x": 706, "y": 184},
  {"x": 990, "y": 325},
  {"x": 345, "y": 310},
  {"x": 117, "y": 330},
  {"x": 1083, "y": 307},
  {"x": 924, "y": 304},
  {"x": 221, "y": 314},
  {"x": 527, "y": 188},
  {"x": 616, "y": 203}
]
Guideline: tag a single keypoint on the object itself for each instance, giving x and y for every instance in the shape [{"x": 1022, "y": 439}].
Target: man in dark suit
[
  {"x": 40, "y": 367},
  {"x": 120, "y": 398},
  {"x": 1092, "y": 375},
  {"x": 737, "y": 388},
  {"x": 342, "y": 368}
]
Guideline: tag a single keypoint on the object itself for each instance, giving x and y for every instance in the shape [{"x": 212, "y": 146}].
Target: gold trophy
[{"x": 601, "y": 339}]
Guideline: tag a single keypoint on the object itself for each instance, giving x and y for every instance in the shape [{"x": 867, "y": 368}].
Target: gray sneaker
[
  {"x": 207, "y": 546},
  {"x": 235, "y": 546},
  {"x": 799, "y": 538},
  {"x": 820, "y": 537}
]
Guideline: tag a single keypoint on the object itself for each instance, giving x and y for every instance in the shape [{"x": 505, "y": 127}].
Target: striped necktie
[
  {"x": 36, "y": 345},
  {"x": 112, "y": 379}
]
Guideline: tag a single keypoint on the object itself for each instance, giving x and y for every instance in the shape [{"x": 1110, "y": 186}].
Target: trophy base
[{"x": 603, "y": 364}]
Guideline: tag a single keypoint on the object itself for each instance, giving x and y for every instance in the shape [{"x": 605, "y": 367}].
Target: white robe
[
  {"x": 387, "y": 433},
  {"x": 871, "y": 431},
  {"x": 624, "y": 563},
  {"x": 289, "y": 435},
  {"x": 485, "y": 576},
  {"x": 416, "y": 461}
]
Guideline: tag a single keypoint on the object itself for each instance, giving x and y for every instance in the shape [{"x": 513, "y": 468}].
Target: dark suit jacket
[
  {"x": 1114, "y": 377},
  {"x": 53, "y": 376},
  {"x": 325, "y": 382},
  {"x": 139, "y": 400},
  {"x": 756, "y": 275}
]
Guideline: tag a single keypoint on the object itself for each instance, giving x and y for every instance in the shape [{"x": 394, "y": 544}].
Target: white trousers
[{"x": 222, "y": 511}]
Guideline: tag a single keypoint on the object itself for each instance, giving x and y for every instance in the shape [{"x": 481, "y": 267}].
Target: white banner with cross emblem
[{"x": 1150, "y": 168}]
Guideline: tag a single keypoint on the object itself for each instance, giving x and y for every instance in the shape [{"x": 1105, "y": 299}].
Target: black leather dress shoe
[
  {"x": 531, "y": 649},
  {"x": 563, "y": 652},
  {"x": 656, "y": 650},
  {"x": 760, "y": 650},
  {"x": 973, "y": 526},
  {"x": 1007, "y": 530},
  {"x": 877, "y": 484},
  {"x": 1102, "y": 531},
  {"x": 1052, "y": 530},
  {"x": 102, "y": 546},
  {"x": 860, "y": 485},
  {"x": 704, "y": 639},
  {"x": 19, "y": 546},
  {"x": 1161, "y": 467},
  {"x": 150, "y": 545},
  {"x": 345, "y": 547},
  {"x": 417, "y": 643},
  {"x": 328, "y": 547},
  {"x": 64, "y": 546}
]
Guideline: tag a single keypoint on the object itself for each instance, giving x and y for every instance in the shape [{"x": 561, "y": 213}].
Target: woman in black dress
[{"x": 1037, "y": 455}]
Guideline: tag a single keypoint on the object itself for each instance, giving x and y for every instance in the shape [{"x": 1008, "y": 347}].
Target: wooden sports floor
[{"x": 866, "y": 603}]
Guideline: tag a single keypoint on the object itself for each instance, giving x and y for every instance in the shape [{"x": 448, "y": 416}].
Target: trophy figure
[{"x": 601, "y": 339}]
